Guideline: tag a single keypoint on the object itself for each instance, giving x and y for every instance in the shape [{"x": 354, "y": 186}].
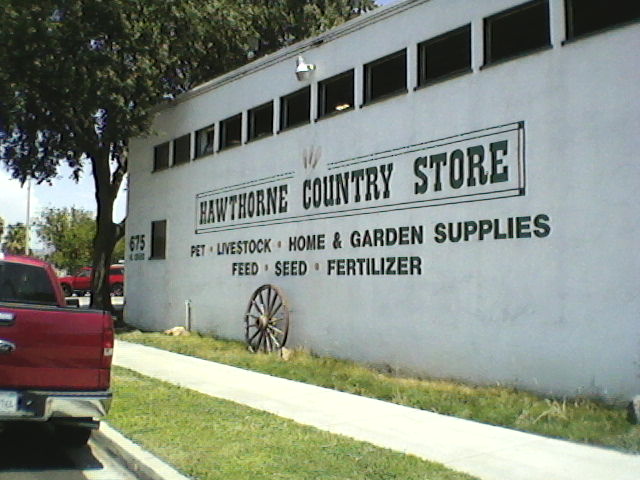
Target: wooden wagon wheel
[{"x": 267, "y": 320}]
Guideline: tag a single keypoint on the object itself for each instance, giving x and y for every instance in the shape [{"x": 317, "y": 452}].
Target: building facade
[{"x": 444, "y": 187}]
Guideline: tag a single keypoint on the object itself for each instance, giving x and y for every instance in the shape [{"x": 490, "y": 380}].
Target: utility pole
[{"x": 28, "y": 222}]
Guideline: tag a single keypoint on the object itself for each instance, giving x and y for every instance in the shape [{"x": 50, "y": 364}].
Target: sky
[{"x": 63, "y": 193}]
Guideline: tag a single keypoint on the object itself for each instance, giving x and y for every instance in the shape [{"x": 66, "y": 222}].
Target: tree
[
  {"x": 15, "y": 239},
  {"x": 1, "y": 228},
  {"x": 79, "y": 78},
  {"x": 68, "y": 233},
  {"x": 282, "y": 22},
  {"x": 118, "y": 251}
]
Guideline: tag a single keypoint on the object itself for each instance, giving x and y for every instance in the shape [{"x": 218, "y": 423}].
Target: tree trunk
[
  {"x": 103, "y": 244},
  {"x": 107, "y": 232}
]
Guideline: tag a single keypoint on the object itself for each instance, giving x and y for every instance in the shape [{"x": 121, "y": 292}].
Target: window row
[{"x": 508, "y": 34}]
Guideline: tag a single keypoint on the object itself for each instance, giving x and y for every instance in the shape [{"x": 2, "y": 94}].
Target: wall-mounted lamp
[{"x": 303, "y": 69}]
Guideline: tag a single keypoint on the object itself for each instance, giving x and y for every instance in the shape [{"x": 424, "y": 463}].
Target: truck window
[{"x": 25, "y": 284}]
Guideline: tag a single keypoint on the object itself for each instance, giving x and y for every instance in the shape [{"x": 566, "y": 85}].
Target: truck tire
[
  {"x": 117, "y": 290},
  {"x": 72, "y": 436}
]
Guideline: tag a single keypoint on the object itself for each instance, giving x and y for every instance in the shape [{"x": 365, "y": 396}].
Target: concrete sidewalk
[{"x": 488, "y": 452}]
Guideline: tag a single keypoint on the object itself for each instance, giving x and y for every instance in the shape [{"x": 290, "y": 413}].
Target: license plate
[{"x": 8, "y": 403}]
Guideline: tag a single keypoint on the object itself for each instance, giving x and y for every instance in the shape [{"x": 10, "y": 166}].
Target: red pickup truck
[
  {"x": 80, "y": 283},
  {"x": 55, "y": 361}
]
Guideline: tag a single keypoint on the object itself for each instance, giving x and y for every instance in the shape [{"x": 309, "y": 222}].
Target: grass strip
[
  {"x": 579, "y": 419},
  {"x": 209, "y": 438}
]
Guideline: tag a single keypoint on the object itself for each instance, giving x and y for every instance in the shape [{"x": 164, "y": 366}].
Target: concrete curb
[{"x": 143, "y": 464}]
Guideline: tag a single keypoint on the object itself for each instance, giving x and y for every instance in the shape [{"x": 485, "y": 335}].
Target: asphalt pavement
[{"x": 486, "y": 451}]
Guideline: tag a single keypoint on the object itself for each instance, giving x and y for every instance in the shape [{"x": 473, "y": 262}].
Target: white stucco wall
[{"x": 558, "y": 313}]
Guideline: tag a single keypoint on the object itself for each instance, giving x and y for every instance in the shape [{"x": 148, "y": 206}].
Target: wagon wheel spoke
[
  {"x": 274, "y": 340},
  {"x": 254, "y": 336},
  {"x": 273, "y": 302},
  {"x": 273, "y": 312},
  {"x": 264, "y": 308},
  {"x": 269, "y": 291},
  {"x": 266, "y": 320},
  {"x": 277, "y": 330}
]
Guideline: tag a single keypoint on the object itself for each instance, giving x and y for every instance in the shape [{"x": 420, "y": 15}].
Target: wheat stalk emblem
[{"x": 311, "y": 157}]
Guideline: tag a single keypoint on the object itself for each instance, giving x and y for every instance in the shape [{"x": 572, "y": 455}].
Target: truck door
[{"x": 44, "y": 345}]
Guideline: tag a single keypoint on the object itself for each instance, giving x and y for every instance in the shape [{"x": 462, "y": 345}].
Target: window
[
  {"x": 587, "y": 16},
  {"x": 335, "y": 94},
  {"x": 158, "y": 239},
  {"x": 231, "y": 132},
  {"x": 261, "y": 121},
  {"x": 516, "y": 31},
  {"x": 445, "y": 55},
  {"x": 204, "y": 141},
  {"x": 182, "y": 149},
  {"x": 385, "y": 76},
  {"x": 295, "y": 109},
  {"x": 161, "y": 156},
  {"x": 25, "y": 284},
  {"x": 116, "y": 270}
]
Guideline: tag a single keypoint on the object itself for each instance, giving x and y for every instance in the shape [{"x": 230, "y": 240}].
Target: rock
[
  {"x": 286, "y": 354},
  {"x": 177, "y": 331}
]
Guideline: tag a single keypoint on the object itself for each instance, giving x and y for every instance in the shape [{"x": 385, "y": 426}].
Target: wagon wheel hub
[{"x": 263, "y": 322}]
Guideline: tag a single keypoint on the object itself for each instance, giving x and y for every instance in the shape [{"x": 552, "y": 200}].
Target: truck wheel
[
  {"x": 68, "y": 291},
  {"x": 117, "y": 290},
  {"x": 72, "y": 436}
]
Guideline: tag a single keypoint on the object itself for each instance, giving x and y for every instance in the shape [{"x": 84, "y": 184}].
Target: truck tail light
[
  {"x": 107, "y": 351},
  {"x": 107, "y": 341}
]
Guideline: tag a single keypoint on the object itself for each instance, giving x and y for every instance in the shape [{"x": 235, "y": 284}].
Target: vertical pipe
[{"x": 187, "y": 315}]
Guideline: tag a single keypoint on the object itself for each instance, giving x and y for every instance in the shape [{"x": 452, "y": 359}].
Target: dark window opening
[
  {"x": 261, "y": 121},
  {"x": 295, "y": 109},
  {"x": 182, "y": 150},
  {"x": 385, "y": 76},
  {"x": 158, "y": 239},
  {"x": 587, "y": 16},
  {"x": 25, "y": 284},
  {"x": 204, "y": 141},
  {"x": 116, "y": 271},
  {"x": 516, "y": 31},
  {"x": 161, "y": 156},
  {"x": 231, "y": 132},
  {"x": 444, "y": 55},
  {"x": 336, "y": 94}
]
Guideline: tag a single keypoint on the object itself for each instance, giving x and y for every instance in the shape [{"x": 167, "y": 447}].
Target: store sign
[{"x": 480, "y": 165}]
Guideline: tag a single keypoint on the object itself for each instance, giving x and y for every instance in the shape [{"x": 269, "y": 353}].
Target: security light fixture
[{"x": 303, "y": 69}]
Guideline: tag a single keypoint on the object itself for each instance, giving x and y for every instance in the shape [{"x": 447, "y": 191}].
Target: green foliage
[
  {"x": 79, "y": 79},
  {"x": 1, "y": 228},
  {"x": 118, "y": 251},
  {"x": 208, "y": 438},
  {"x": 15, "y": 239},
  {"x": 283, "y": 22},
  {"x": 68, "y": 233},
  {"x": 581, "y": 420}
]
